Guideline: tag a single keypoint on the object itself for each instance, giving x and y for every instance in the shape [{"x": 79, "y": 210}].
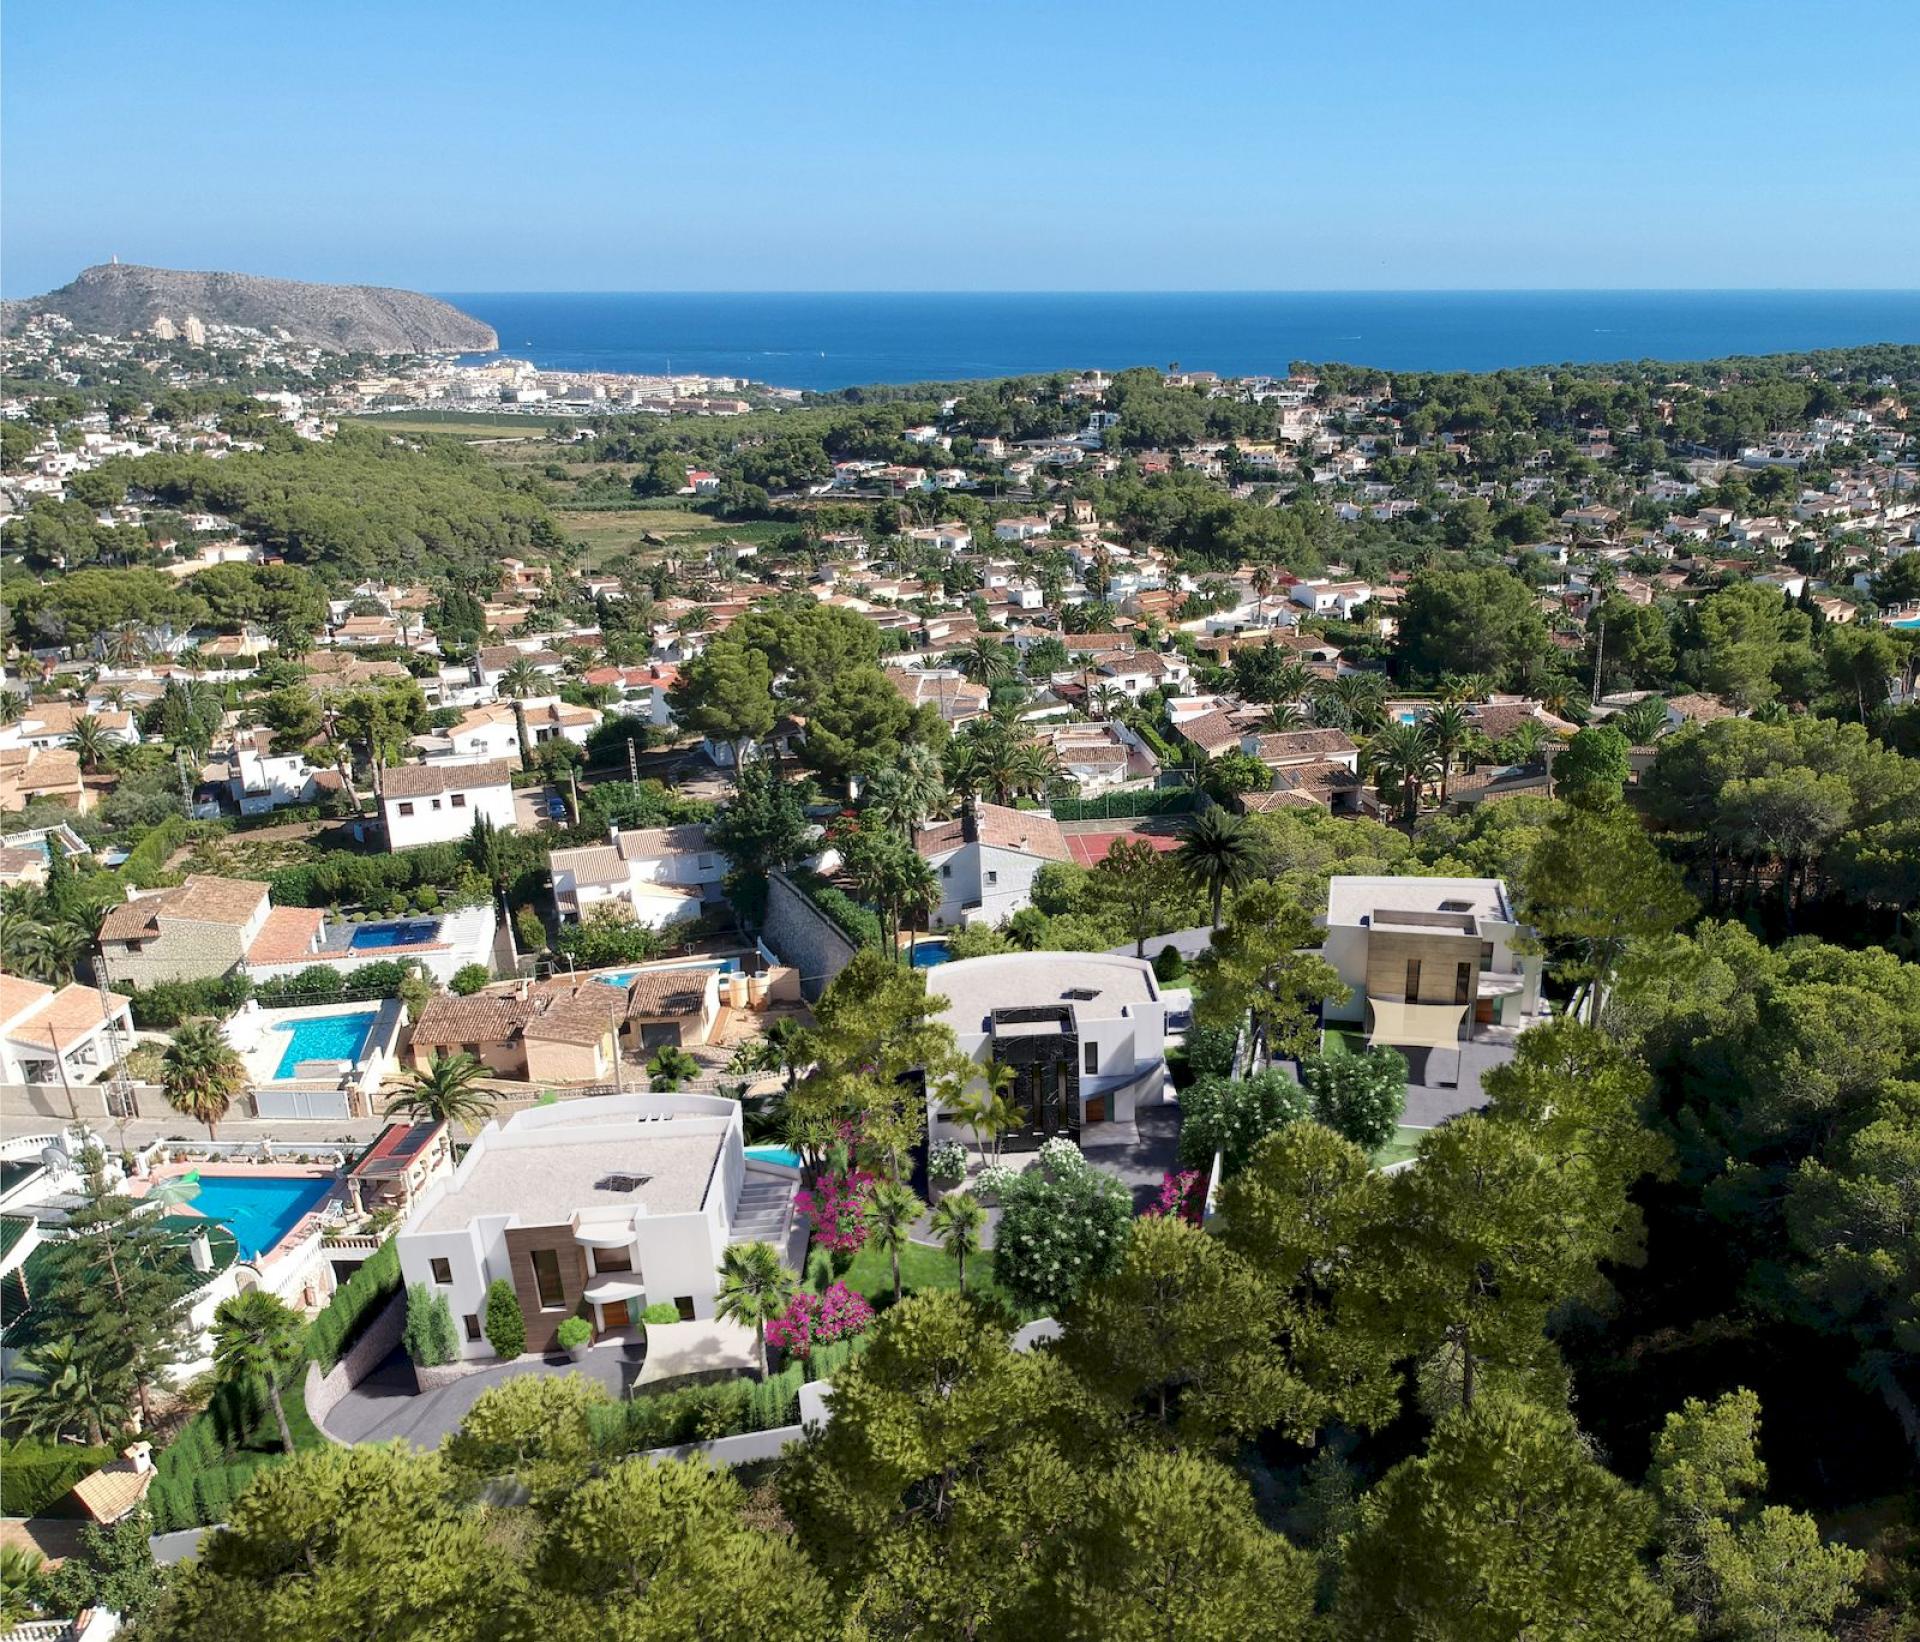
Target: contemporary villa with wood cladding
[{"x": 596, "y": 1209}]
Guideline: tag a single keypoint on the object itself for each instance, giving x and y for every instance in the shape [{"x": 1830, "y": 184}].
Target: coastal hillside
[{"x": 117, "y": 298}]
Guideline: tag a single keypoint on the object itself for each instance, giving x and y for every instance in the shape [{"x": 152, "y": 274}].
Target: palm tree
[
  {"x": 89, "y": 739},
  {"x": 959, "y": 1219},
  {"x": 755, "y": 1288},
  {"x": 1033, "y": 768},
  {"x": 892, "y": 1211},
  {"x": 1283, "y": 716},
  {"x": 256, "y": 1337},
  {"x": 1401, "y": 758},
  {"x": 201, "y": 1075},
  {"x": 986, "y": 661},
  {"x": 521, "y": 679},
  {"x": 1525, "y": 742},
  {"x": 1219, "y": 852},
  {"x": 444, "y": 1091},
  {"x": 1643, "y": 722},
  {"x": 48, "y": 948},
  {"x": 128, "y": 645},
  {"x": 57, "y": 1395},
  {"x": 1108, "y": 701},
  {"x": 991, "y": 1111},
  {"x": 1292, "y": 681},
  {"x": 1449, "y": 727}
]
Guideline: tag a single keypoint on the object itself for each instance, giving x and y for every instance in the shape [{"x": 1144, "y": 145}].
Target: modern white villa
[
  {"x": 1431, "y": 962},
  {"x": 598, "y": 1209},
  {"x": 1086, "y": 1034}
]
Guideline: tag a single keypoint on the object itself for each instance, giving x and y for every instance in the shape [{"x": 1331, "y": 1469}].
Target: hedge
[
  {"x": 699, "y": 1413},
  {"x": 859, "y": 924},
  {"x": 353, "y": 1305},
  {"x": 342, "y": 876},
  {"x": 34, "y": 1475},
  {"x": 1121, "y": 805},
  {"x": 147, "y": 858}
]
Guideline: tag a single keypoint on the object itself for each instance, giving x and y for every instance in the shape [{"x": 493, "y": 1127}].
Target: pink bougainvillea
[
  {"x": 836, "y": 1205},
  {"x": 1182, "y": 1192},
  {"x": 815, "y": 1319}
]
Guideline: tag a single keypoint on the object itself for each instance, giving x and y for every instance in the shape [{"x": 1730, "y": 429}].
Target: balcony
[{"x": 1501, "y": 983}]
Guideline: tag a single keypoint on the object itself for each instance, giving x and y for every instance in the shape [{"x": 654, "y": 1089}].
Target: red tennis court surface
[{"x": 1089, "y": 848}]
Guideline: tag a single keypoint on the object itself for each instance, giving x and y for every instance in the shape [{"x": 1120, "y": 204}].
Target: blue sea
[{"x": 837, "y": 340}]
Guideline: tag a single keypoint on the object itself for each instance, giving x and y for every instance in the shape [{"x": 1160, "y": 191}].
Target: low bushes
[
  {"x": 148, "y": 858},
  {"x": 859, "y": 924}
]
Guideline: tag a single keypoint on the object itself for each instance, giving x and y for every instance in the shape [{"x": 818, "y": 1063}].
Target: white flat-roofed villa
[
  {"x": 597, "y": 1209},
  {"x": 1086, "y": 1034},
  {"x": 1432, "y": 962}
]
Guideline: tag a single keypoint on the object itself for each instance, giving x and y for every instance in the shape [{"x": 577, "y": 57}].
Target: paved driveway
[
  {"x": 1430, "y": 1104},
  {"x": 1140, "y": 1160},
  {"x": 384, "y": 1405}
]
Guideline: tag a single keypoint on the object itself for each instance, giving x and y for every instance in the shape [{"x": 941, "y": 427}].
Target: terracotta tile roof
[
  {"x": 1289, "y": 746},
  {"x": 69, "y": 1014},
  {"x": 1213, "y": 732},
  {"x": 591, "y": 864},
  {"x": 426, "y": 780},
  {"x": 114, "y": 1490},
  {"x": 667, "y": 991},
  {"x": 1318, "y": 777},
  {"x": 572, "y": 1015},
  {"x": 1027, "y": 832},
  {"x": 201, "y": 899},
  {"x": 448, "y": 1021},
  {"x": 1699, "y": 709},
  {"x": 1258, "y": 803},
  {"x": 18, "y": 995},
  {"x": 288, "y": 935}
]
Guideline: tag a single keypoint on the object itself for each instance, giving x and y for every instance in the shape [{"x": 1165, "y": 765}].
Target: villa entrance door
[{"x": 614, "y": 1314}]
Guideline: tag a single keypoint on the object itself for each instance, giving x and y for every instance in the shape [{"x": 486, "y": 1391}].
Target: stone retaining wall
[
  {"x": 804, "y": 936},
  {"x": 322, "y": 1392}
]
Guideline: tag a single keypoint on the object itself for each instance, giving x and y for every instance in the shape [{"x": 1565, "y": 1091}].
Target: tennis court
[{"x": 1089, "y": 848}]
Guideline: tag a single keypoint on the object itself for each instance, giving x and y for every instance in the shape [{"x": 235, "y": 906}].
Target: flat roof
[
  {"x": 975, "y": 987},
  {"x": 545, "y": 1184},
  {"x": 1352, "y": 901}
]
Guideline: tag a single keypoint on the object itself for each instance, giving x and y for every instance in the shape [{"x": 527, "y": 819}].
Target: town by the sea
[{"x": 842, "y": 339}]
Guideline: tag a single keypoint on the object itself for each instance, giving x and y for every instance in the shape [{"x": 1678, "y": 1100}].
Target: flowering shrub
[
  {"x": 1060, "y": 1156},
  {"x": 1061, "y": 1228},
  {"x": 836, "y": 1206},
  {"x": 947, "y": 1162},
  {"x": 993, "y": 1181},
  {"x": 1183, "y": 1192},
  {"x": 816, "y": 1319}
]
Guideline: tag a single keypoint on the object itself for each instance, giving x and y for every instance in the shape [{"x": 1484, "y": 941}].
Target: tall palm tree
[
  {"x": 127, "y": 646},
  {"x": 1284, "y": 715},
  {"x": 444, "y": 1091},
  {"x": 1033, "y": 768},
  {"x": 521, "y": 679},
  {"x": 923, "y": 787},
  {"x": 755, "y": 1288},
  {"x": 1449, "y": 727},
  {"x": 1293, "y": 680},
  {"x": 959, "y": 1220},
  {"x": 986, "y": 661},
  {"x": 90, "y": 740},
  {"x": 256, "y": 1339},
  {"x": 201, "y": 1075},
  {"x": 892, "y": 1211},
  {"x": 1525, "y": 742},
  {"x": 1644, "y": 722},
  {"x": 1401, "y": 758},
  {"x": 1219, "y": 852},
  {"x": 1108, "y": 701}
]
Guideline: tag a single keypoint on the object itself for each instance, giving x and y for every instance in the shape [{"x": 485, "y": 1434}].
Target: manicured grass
[
  {"x": 921, "y": 1268},
  {"x": 1405, "y": 1144},
  {"x": 1336, "y": 1041}
]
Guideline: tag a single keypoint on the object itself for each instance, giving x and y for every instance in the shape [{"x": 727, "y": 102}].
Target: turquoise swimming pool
[
  {"x": 325, "y": 1037},
  {"x": 726, "y": 966},
  {"x": 775, "y": 1154},
  {"x": 259, "y": 1209}
]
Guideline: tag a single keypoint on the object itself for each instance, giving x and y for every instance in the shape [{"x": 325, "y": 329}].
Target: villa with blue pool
[{"x": 320, "y": 1060}]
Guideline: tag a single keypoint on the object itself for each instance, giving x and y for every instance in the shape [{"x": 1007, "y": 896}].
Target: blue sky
[{"x": 992, "y": 145}]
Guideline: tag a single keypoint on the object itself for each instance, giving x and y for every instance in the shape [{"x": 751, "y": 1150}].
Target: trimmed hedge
[
  {"x": 354, "y": 1304},
  {"x": 1125, "y": 805},
  {"x": 34, "y": 1475},
  {"x": 859, "y": 924},
  {"x": 147, "y": 858},
  {"x": 699, "y": 1413}
]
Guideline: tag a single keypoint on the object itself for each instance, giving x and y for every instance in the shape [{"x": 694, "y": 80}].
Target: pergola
[
  {"x": 706, "y": 1346},
  {"x": 1416, "y": 1025}
]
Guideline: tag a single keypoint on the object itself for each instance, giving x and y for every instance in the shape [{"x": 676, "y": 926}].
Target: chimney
[
  {"x": 969, "y": 822},
  {"x": 140, "y": 1455},
  {"x": 200, "y": 1252}
]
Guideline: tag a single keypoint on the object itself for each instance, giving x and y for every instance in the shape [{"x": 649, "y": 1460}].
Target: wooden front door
[
  {"x": 614, "y": 1314},
  {"x": 1096, "y": 1108}
]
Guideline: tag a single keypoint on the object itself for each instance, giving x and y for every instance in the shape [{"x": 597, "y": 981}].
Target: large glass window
[
  {"x": 1413, "y": 980},
  {"x": 613, "y": 1260},
  {"x": 1462, "y": 982},
  {"x": 546, "y": 1278}
]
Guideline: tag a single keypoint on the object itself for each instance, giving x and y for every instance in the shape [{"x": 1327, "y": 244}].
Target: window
[
  {"x": 472, "y": 1324},
  {"x": 1486, "y": 954},
  {"x": 442, "y": 1270},
  {"x": 405, "y": 807},
  {"x": 1092, "y": 1059},
  {"x": 459, "y": 801},
  {"x": 993, "y": 877},
  {"x": 1413, "y": 980},
  {"x": 683, "y": 1303},
  {"x": 546, "y": 1278},
  {"x": 436, "y": 803},
  {"x": 1462, "y": 982},
  {"x": 612, "y": 1260},
  {"x": 946, "y": 872}
]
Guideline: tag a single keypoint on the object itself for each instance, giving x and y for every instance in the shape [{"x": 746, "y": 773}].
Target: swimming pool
[
  {"x": 726, "y": 966},
  {"x": 259, "y": 1209},
  {"x": 404, "y": 932},
  {"x": 324, "y": 1037},
  {"x": 775, "y": 1154},
  {"x": 928, "y": 953}
]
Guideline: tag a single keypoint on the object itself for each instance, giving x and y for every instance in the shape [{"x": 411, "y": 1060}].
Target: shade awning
[
  {"x": 613, "y": 1286},
  {"x": 704, "y": 1347},
  {"x": 1416, "y": 1025}
]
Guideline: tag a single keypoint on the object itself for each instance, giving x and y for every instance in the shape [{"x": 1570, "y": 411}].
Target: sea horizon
[{"x": 827, "y": 340}]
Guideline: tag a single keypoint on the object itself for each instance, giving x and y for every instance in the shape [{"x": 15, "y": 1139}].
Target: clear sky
[{"x": 992, "y": 145}]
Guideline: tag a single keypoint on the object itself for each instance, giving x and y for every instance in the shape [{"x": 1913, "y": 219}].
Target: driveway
[
  {"x": 1430, "y": 1104},
  {"x": 1189, "y": 943},
  {"x": 1138, "y": 1160},
  {"x": 384, "y": 1405}
]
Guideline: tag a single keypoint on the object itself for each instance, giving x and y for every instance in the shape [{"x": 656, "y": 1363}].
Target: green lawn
[
  {"x": 921, "y": 1268},
  {"x": 1405, "y": 1144},
  {"x": 1339, "y": 1041}
]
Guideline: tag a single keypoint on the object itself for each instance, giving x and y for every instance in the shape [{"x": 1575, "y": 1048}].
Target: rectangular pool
[
  {"x": 324, "y": 1037},
  {"x": 259, "y": 1209},
  {"x": 407, "y": 932},
  {"x": 726, "y": 966}
]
